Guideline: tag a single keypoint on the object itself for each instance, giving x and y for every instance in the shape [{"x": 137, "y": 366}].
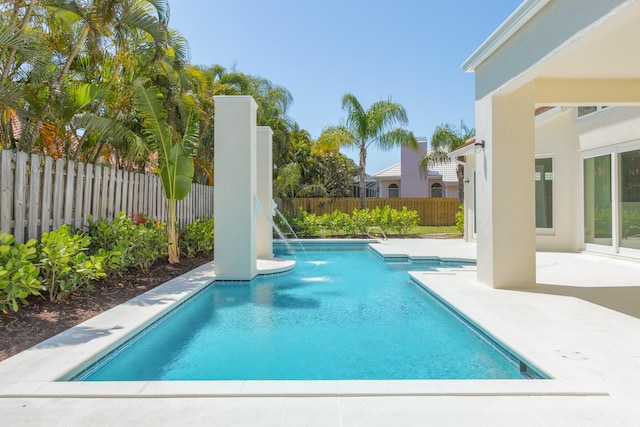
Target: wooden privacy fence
[
  {"x": 432, "y": 211},
  {"x": 39, "y": 194}
]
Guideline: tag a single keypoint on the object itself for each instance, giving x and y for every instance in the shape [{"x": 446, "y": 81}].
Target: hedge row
[{"x": 66, "y": 260}]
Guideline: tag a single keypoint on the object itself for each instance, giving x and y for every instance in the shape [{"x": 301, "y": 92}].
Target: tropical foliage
[
  {"x": 375, "y": 126},
  {"x": 176, "y": 156},
  {"x": 445, "y": 139},
  {"x": 111, "y": 83},
  {"x": 358, "y": 223},
  {"x": 67, "y": 261}
]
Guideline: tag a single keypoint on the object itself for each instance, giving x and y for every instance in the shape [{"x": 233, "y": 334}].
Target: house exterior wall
[
  {"x": 610, "y": 126},
  {"x": 384, "y": 187},
  {"x": 451, "y": 190},
  {"x": 412, "y": 184},
  {"x": 557, "y": 138},
  {"x": 506, "y": 208},
  {"x": 562, "y": 137},
  {"x": 569, "y": 61}
]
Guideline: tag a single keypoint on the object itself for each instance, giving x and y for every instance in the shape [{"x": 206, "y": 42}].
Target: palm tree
[
  {"x": 445, "y": 139},
  {"x": 136, "y": 31},
  {"x": 366, "y": 127},
  {"x": 176, "y": 160}
]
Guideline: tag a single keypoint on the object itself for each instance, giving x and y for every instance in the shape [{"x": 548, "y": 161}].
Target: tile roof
[
  {"x": 392, "y": 171},
  {"x": 446, "y": 170}
]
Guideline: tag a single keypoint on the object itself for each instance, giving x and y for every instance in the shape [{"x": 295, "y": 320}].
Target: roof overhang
[
  {"x": 509, "y": 27},
  {"x": 557, "y": 42},
  {"x": 467, "y": 149}
]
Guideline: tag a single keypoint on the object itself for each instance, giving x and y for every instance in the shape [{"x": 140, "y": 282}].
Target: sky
[{"x": 410, "y": 51}]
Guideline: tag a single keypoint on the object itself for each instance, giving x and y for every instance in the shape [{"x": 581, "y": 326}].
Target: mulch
[{"x": 42, "y": 319}]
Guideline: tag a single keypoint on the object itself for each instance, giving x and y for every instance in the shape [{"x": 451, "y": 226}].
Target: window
[
  {"x": 629, "y": 170},
  {"x": 598, "y": 207},
  {"x": 611, "y": 193},
  {"x": 585, "y": 111},
  {"x": 436, "y": 190},
  {"x": 544, "y": 193},
  {"x": 394, "y": 191}
]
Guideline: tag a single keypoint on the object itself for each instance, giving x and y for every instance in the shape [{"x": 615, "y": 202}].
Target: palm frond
[
  {"x": 149, "y": 104},
  {"x": 106, "y": 129},
  {"x": 397, "y": 137},
  {"x": 356, "y": 115},
  {"x": 384, "y": 115},
  {"x": 191, "y": 134},
  {"x": 162, "y": 9},
  {"x": 334, "y": 137},
  {"x": 206, "y": 166},
  {"x": 12, "y": 95},
  {"x": 140, "y": 18}
]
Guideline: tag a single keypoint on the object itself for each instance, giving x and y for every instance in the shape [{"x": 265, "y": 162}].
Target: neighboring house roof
[
  {"x": 368, "y": 178},
  {"x": 446, "y": 170},
  {"x": 392, "y": 171}
]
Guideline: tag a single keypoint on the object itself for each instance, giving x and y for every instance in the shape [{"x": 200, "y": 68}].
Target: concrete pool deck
[{"x": 581, "y": 325}]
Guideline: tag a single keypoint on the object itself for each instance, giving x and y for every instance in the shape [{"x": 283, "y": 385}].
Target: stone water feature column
[
  {"x": 235, "y": 195},
  {"x": 264, "y": 156}
]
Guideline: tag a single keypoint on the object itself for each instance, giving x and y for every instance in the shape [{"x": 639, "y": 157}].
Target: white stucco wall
[
  {"x": 563, "y": 136},
  {"x": 614, "y": 125},
  {"x": 236, "y": 188},
  {"x": 556, "y": 137}
]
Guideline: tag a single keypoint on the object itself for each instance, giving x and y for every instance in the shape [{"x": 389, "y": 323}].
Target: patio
[{"x": 580, "y": 325}]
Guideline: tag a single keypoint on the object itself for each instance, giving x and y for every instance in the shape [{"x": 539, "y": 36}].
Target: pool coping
[{"x": 36, "y": 372}]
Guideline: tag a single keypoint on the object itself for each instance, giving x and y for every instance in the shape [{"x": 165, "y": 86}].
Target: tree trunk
[
  {"x": 363, "y": 174},
  {"x": 172, "y": 234}
]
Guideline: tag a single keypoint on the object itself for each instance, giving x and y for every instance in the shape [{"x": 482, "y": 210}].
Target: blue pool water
[{"x": 340, "y": 314}]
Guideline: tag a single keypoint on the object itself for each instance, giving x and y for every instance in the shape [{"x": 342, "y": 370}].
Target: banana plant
[{"x": 175, "y": 156}]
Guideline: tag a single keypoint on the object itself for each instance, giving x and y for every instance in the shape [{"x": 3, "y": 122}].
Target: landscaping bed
[{"x": 42, "y": 319}]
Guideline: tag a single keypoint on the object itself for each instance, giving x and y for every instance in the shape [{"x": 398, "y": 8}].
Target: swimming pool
[{"x": 343, "y": 313}]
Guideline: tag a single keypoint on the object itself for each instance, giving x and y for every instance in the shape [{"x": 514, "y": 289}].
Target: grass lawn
[{"x": 421, "y": 230}]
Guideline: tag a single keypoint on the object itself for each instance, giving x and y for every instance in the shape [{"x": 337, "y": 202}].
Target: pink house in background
[{"x": 403, "y": 179}]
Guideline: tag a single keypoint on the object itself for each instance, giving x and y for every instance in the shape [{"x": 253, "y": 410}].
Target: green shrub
[
  {"x": 18, "y": 274},
  {"x": 460, "y": 218},
  {"x": 358, "y": 223},
  {"x": 403, "y": 220},
  {"x": 284, "y": 221},
  {"x": 64, "y": 264},
  {"x": 137, "y": 245},
  {"x": 197, "y": 237},
  {"x": 384, "y": 218},
  {"x": 149, "y": 244},
  {"x": 306, "y": 224},
  {"x": 361, "y": 220},
  {"x": 336, "y": 222},
  {"x": 111, "y": 240}
]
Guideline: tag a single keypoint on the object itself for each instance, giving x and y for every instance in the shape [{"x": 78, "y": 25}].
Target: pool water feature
[{"x": 339, "y": 315}]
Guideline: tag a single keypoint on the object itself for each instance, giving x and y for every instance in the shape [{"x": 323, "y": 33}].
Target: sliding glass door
[
  {"x": 611, "y": 200},
  {"x": 598, "y": 208},
  {"x": 629, "y": 199}
]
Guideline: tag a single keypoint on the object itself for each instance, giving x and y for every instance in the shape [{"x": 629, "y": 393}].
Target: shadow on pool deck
[{"x": 623, "y": 299}]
